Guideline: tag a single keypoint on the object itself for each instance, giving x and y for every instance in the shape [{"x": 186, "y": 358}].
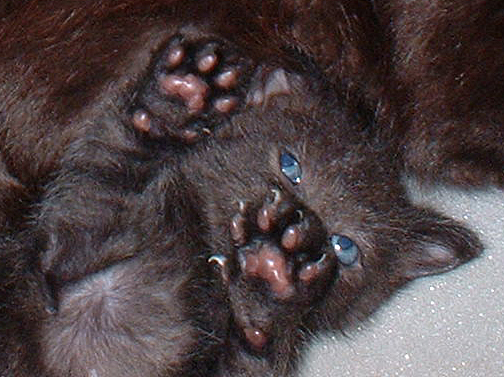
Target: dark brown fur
[
  {"x": 448, "y": 65},
  {"x": 106, "y": 250}
]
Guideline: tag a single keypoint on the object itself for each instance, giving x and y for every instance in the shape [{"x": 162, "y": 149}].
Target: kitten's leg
[
  {"x": 126, "y": 320},
  {"x": 193, "y": 85}
]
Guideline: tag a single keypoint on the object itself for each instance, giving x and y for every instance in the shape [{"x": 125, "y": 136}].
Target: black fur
[{"x": 128, "y": 251}]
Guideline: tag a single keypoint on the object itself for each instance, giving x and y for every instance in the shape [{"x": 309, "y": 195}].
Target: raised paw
[
  {"x": 192, "y": 87},
  {"x": 283, "y": 244},
  {"x": 282, "y": 257}
]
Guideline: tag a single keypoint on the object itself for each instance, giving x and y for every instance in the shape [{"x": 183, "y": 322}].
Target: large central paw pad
[
  {"x": 195, "y": 83},
  {"x": 282, "y": 244}
]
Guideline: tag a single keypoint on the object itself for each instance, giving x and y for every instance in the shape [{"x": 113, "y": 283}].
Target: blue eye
[
  {"x": 345, "y": 249},
  {"x": 290, "y": 168}
]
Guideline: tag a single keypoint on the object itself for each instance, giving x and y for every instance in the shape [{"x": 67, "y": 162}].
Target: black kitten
[
  {"x": 230, "y": 257},
  {"x": 132, "y": 254}
]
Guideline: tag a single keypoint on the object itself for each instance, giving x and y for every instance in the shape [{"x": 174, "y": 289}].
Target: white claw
[
  {"x": 241, "y": 206},
  {"x": 219, "y": 259},
  {"x": 277, "y": 194}
]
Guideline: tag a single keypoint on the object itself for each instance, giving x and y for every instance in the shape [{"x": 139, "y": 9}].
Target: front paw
[
  {"x": 284, "y": 245},
  {"x": 194, "y": 84},
  {"x": 282, "y": 261}
]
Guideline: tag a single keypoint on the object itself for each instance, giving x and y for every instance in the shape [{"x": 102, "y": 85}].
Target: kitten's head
[{"x": 308, "y": 216}]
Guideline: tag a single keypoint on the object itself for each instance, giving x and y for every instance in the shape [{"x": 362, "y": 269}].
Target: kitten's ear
[{"x": 439, "y": 244}]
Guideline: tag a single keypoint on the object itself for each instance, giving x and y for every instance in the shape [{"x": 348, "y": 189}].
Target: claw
[
  {"x": 271, "y": 84},
  {"x": 221, "y": 260},
  {"x": 266, "y": 215},
  {"x": 312, "y": 270},
  {"x": 242, "y": 206},
  {"x": 237, "y": 229},
  {"x": 278, "y": 195}
]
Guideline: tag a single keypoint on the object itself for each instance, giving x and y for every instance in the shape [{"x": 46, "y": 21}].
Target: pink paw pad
[
  {"x": 269, "y": 264},
  {"x": 190, "y": 88}
]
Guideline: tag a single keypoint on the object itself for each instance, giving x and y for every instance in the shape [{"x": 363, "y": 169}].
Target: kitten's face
[{"x": 301, "y": 210}]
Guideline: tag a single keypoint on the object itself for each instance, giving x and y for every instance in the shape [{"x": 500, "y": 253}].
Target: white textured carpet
[{"x": 447, "y": 325}]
